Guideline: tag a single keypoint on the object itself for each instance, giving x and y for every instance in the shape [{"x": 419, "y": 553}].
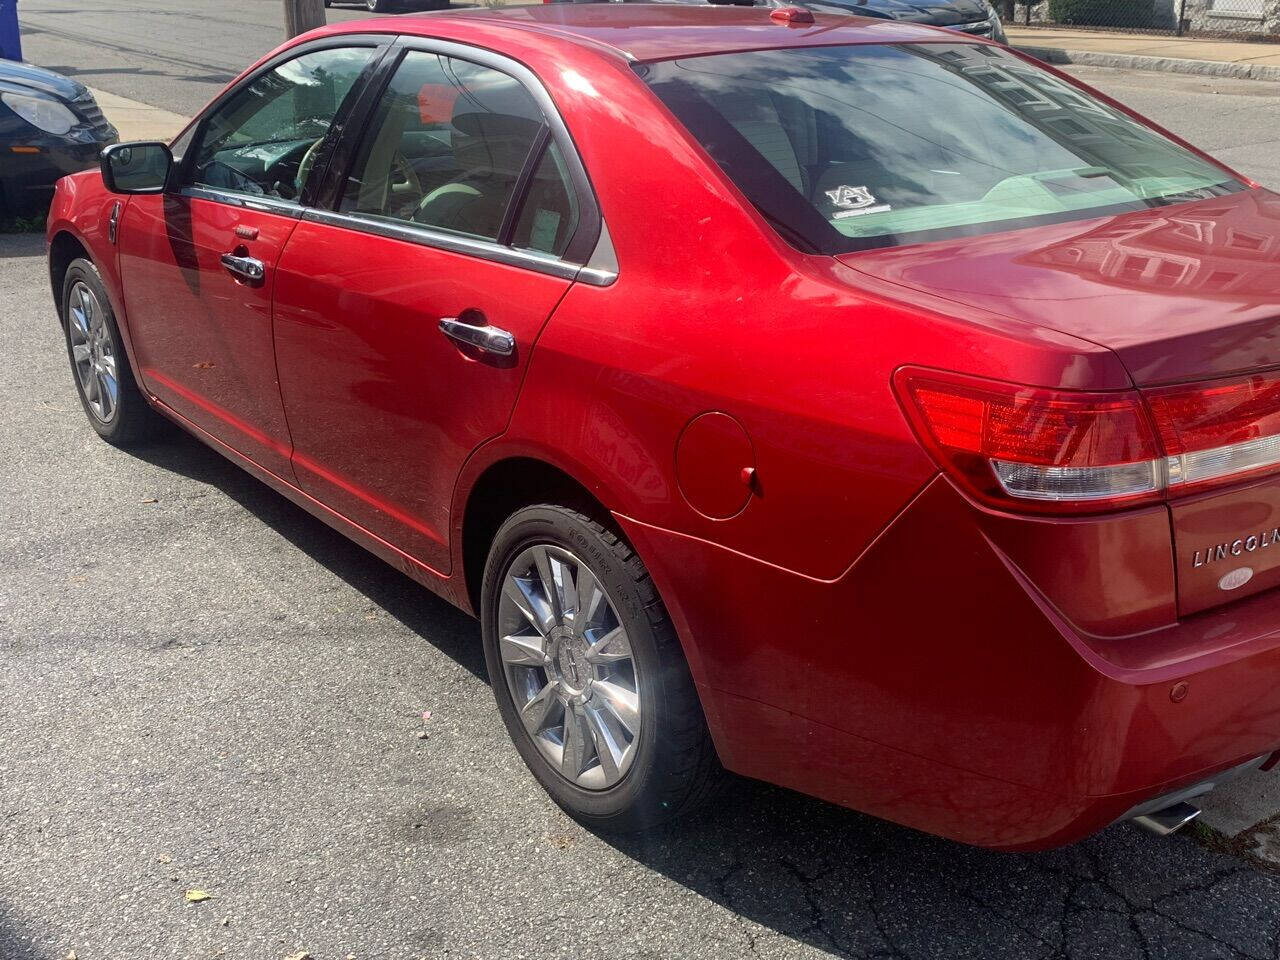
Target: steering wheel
[
  {"x": 403, "y": 187},
  {"x": 306, "y": 166},
  {"x": 403, "y": 179}
]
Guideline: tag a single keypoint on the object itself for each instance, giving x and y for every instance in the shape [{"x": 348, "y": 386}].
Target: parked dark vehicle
[
  {"x": 50, "y": 126},
  {"x": 975, "y": 17}
]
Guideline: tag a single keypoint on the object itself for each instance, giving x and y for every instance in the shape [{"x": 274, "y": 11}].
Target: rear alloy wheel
[
  {"x": 569, "y": 667},
  {"x": 589, "y": 675},
  {"x": 380, "y": 6}
]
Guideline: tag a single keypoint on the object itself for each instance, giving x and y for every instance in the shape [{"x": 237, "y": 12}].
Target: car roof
[{"x": 644, "y": 31}]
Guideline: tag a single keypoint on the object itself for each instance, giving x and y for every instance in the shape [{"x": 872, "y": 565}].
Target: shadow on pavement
[
  {"x": 14, "y": 245},
  {"x": 844, "y": 883},
  {"x": 855, "y": 886},
  {"x": 14, "y": 945},
  {"x": 443, "y": 625}
]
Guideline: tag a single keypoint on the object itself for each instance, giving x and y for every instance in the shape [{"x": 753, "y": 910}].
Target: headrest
[{"x": 494, "y": 127}]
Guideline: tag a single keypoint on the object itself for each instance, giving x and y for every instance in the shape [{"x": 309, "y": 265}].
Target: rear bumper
[{"x": 931, "y": 684}]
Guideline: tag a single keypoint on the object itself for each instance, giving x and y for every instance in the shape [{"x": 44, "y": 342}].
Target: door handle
[
  {"x": 246, "y": 268},
  {"x": 484, "y": 337}
]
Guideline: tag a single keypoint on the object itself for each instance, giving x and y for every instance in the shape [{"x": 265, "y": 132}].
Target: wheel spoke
[
  {"x": 534, "y": 608},
  {"x": 80, "y": 352},
  {"x": 104, "y": 396},
  {"x": 623, "y": 703},
  {"x": 523, "y": 651},
  {"x": 610, "y": 648},
  {"x": 577, "y": 745},
  {"x": 91, "y": 387},
  {"x": 538, "y": 711},
  {"x": 590, "y": 596},
  {"x": 608, "y": 750},
  {"x": 542, "y": 561}
]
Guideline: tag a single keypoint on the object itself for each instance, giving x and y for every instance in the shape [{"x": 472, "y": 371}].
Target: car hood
[
  {"x": 15, "y": 76},
  {"x": 1183, "y": 292},
  {"x": 942, "y": 13}
]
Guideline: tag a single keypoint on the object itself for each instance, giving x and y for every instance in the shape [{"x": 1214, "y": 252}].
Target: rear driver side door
[{"x": 463, "y": 204}]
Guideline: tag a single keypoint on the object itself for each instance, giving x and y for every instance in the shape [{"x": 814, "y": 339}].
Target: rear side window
[
  {"x": 549, "y": 214},
  {"x": 854, "y": 147},
  {"x": 446, "y": 147}
]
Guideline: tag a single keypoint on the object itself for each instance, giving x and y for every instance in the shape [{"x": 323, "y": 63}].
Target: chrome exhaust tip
[{"x": 1168, "y": 820}]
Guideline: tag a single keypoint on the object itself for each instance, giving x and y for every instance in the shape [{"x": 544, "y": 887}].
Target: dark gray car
[{"x": 976, "y": 17}]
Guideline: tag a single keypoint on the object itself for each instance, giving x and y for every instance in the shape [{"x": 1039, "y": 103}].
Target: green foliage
[
  {"x": 1103, "y": 13},
  {"x": 22, "y": 224}
]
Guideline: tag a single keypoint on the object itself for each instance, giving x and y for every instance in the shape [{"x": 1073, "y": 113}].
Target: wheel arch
[
  {"x": 505, "y": 486},
  {"x": 520, "y": 475},
  {"x": 64, "y": 247}
]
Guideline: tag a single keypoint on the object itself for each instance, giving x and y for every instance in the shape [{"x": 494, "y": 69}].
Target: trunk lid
[{"x": 1185, "y": 293}]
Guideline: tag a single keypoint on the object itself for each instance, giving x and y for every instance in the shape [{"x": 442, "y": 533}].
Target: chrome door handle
[
  {"x": 247, "y": 268},
  {"x": 485, "y": 337}
]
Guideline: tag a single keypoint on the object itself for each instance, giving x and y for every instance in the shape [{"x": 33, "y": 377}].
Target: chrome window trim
[
  {"x": 248, "y": 201},
  {"x": 457, "y": 243},
  {"x": 601, "y": 263}
]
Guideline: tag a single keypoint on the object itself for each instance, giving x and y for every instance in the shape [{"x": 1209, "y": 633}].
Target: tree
[{"x": 302, "y": 15}]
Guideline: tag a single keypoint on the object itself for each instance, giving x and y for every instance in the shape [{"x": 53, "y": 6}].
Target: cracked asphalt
[{"x": 202, "y": 687}]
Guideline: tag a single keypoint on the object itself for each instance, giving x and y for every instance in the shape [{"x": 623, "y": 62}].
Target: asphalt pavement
[{"x": 204, "y": 688}]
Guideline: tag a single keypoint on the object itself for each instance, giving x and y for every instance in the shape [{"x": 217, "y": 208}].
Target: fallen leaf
[
  {"x": 300, "y": 955},
  {"x": 198, "y": 896},
  {"x": 150, "y": 500},
  {"x": 71, "y": 955}
]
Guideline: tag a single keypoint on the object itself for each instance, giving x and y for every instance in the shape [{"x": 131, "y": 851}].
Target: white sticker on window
[
  {"x": 854, "y": 202},
  {"x": 543, "y": 234}
]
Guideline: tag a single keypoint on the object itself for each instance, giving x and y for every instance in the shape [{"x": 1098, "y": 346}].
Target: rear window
[{"x": 854, "y": 147}]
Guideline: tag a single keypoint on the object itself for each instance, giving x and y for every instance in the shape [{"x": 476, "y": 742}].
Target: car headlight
[{"x": 47, "y": 115}]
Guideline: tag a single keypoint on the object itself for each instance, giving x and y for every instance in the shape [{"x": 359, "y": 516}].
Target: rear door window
[
  {"x": 446, "y": 148},
  {"x": 847, "y": 148}
]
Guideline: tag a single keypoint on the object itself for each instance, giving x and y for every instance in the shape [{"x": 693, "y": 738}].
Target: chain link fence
[{"x": 1236, "y": 19}]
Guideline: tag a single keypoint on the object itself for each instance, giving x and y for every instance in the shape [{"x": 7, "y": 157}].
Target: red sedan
[{"x": 844, "y": 403}]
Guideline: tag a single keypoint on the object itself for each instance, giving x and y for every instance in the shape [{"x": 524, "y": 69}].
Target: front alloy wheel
[
  {"x": 569, "y": 666},
  {"x": 93, "y": 352}
]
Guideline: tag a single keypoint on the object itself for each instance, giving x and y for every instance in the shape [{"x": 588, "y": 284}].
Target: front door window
[{"x": 265, "y": 138}]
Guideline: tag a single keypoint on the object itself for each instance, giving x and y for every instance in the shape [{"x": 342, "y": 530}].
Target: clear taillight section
[
  {"x": 1068, "y": 451},
  {"x": 1218, "y": 430}
]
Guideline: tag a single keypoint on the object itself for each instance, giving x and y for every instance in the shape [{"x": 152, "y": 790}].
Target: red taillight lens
[
  {"x": 1046, "y": 449},
  {"x": 1066, "y": 451},
  {"x": 1220, "y": 430}
]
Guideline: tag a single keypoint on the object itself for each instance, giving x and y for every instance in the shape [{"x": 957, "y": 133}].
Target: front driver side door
[
  {"x": 463, "y": 205},
  {"x": 198, "y": 262}
]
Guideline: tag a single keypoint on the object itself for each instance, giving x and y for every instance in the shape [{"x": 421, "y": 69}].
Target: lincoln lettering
[{"x": 1220, "y": 551}]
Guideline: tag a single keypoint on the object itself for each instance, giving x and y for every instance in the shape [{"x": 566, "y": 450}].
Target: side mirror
[{"x": 139, "y": 167}]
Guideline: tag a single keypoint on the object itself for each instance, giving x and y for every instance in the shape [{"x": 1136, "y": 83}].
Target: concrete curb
[
  {"x": 139, "y": 121},
  {"x": 1128, "y": 61}
]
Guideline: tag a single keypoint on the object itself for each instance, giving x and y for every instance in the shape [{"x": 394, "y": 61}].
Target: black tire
[
  {"x": 132, "y": 420},
  {"x": 675, "y": 767}
]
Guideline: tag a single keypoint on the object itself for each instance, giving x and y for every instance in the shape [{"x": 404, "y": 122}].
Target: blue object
[{"x": 10, "y": 39}]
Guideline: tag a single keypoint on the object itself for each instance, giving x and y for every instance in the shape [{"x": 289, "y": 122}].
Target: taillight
[
  {"x": 1220, "y": 430},
  {"x": 1067, "y": 451}
]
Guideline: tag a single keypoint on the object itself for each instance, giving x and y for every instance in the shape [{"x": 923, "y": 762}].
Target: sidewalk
[
  {"x": 139, "y": 121},
  {"x": 1138, "y": 51}
]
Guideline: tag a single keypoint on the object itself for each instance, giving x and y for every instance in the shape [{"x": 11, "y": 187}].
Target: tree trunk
[{"x": 302, "y": 15}]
